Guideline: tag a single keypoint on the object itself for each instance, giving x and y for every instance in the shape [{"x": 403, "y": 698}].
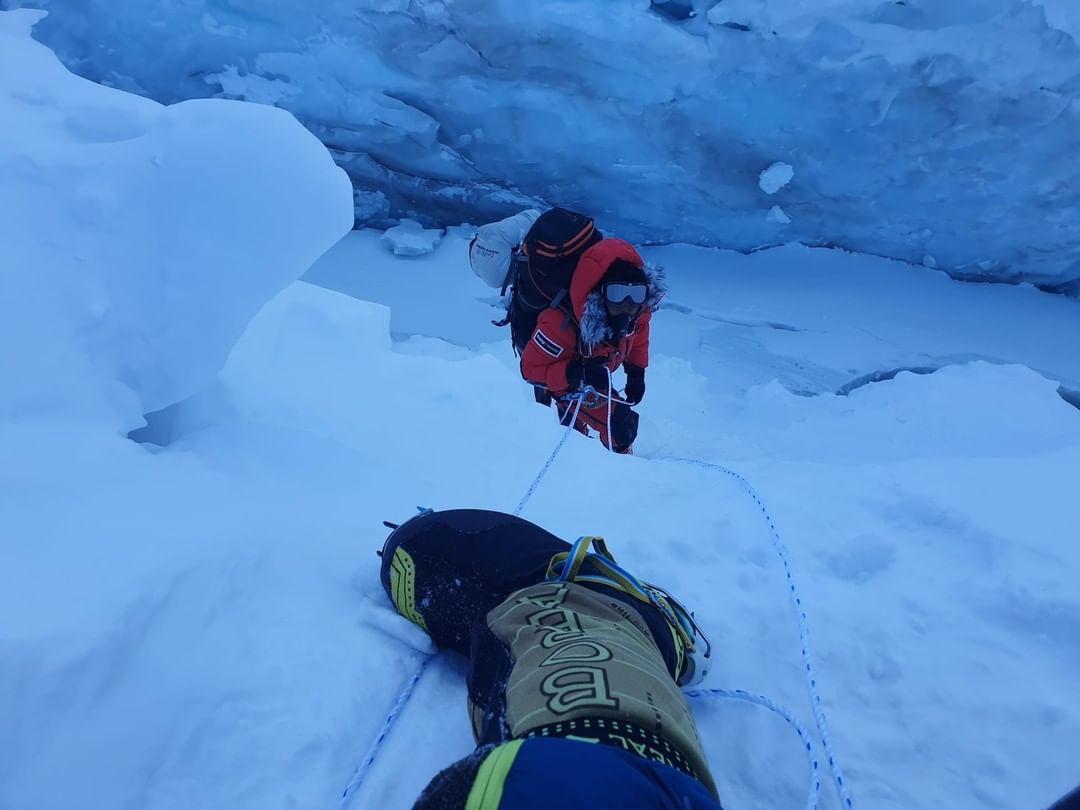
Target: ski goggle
[{"x": 617, "y": 293}]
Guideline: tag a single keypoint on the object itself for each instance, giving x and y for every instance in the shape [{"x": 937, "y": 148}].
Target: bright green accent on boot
[
  {"x": 403, "y": 586},
  {"x": 487, "y": 790}
]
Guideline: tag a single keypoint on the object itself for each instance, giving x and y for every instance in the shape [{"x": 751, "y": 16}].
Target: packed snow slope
[
  {"x": 937, "y": 133},
  {"x": 199, "y": 623},
  {"x": 118, "y": 308}
]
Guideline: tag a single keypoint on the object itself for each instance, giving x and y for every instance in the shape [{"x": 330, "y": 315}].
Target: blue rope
[
  {"x": 814, "y": 789},
  {"x": 738, "y": 694},
  {"x": 362, "y": 771},
  {"x": 800, "y": 616},
  {"x": 543, "y": 470}
]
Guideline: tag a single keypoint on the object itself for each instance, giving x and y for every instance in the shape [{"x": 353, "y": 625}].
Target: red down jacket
[{"x": 558, "y": 338}]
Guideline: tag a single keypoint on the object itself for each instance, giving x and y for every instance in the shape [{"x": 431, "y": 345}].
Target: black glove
[
  {"x": 635, "y": 383},
  {"x": 591, "y": 371}
]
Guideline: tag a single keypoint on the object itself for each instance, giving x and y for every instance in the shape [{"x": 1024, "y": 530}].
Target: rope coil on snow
[
  {"x": 800, "y": 617},
  {"x": 814, "y": 789}
]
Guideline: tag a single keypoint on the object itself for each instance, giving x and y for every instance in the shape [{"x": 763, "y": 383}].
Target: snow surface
[
  {"x": 247, "y": 656},
  {"x": 199, "y": 623},
  {"x": 917, "y": 128},
  {"x": 139, "y": 239}
]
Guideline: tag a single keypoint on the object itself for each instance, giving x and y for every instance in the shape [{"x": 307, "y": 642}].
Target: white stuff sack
[{"x": 493, "y": 245}]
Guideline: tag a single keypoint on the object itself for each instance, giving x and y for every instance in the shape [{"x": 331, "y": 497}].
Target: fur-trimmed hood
[{"x": 587, "y": 300}]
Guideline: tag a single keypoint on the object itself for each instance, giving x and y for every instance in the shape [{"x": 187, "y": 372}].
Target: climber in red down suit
[{"x": 613, "y": 295}]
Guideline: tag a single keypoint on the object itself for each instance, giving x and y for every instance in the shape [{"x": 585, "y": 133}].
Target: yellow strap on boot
[
  {"x": 581, "y": 552},
  {"x": 608, "y": 573}
]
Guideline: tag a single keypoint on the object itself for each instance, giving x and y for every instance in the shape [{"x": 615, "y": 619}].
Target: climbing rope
[
  {"x": 610, "y": 406},
  {"x": 800, "y": 617},
  {"x": 362, "y": 770},
  {"x": 365, "y": 766},
  {"x": 814, "y": 789},
  {"x": 738, "y": 694},
  {"x": 547, "y": 465},
  {"x": 610, "y": 439}
]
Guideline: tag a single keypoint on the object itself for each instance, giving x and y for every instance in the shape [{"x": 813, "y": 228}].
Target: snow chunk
[
  {"x": 410, "y": 238},
  {"x": 140, "y": 239},
  {"x": 776, "y": 214},
  {"x": 775, "y": 177}
]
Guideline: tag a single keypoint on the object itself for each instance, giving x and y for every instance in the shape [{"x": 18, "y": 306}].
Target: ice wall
[{"x": 939, "y": 133}]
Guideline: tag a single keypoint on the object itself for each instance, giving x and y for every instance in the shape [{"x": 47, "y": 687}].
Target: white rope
[
  {"x": 543, "y": 470},
  {"x": 814, "y": 790},
  {"x": 365, "y": 766},
  {"x": 610, "y": 440},
  {"x": 800, "y": 615},
  {"x": 800, "y": 618},
  {"x": 579, "y": 398}
]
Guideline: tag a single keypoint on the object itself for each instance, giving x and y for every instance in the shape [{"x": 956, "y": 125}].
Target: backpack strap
[
  {"x": 515, "y": 257},
  {"x": 568, "y": 321},
  {"x": 568, "y": 313},
  {"x": 510, "y": 278}
]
